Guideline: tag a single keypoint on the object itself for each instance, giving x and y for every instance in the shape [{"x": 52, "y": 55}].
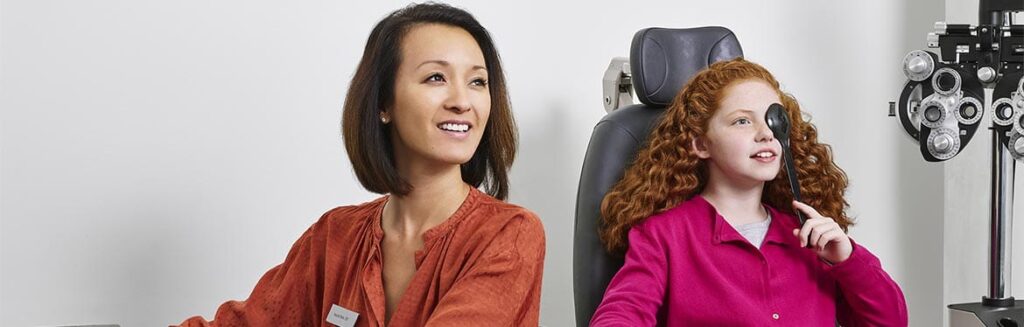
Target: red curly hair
[{"x": 667, "y": 172}]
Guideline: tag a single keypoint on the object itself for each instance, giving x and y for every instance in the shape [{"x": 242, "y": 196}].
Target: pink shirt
[{"x": 688, "y": 267}]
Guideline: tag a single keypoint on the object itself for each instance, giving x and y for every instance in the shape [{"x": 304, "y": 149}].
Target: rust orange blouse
[{"x": 482, "y": 266}]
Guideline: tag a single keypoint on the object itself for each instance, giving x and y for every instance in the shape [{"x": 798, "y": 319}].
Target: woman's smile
[{"x": 457, "y": 129}]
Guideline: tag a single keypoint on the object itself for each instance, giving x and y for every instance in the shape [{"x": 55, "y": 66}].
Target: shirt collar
[
  {"x": 467, "y": 206},
  {"x": 779, "y": 229}
]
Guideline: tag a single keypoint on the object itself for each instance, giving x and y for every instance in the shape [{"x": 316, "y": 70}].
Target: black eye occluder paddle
[{"x": 778, "y": 122}]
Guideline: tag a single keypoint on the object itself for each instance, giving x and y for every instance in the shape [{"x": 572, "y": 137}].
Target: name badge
[{"x": 342, "y": 317}]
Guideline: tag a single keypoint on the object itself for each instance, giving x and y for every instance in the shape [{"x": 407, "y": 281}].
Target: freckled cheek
[{"x": 733, "y": 148}]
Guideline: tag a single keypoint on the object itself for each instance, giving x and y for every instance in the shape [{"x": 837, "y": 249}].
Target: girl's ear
[{"x": 699, "y": 145}]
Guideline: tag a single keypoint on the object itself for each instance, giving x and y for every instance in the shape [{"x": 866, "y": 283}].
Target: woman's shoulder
[
  {"x": 349, "y": 217},
  {"x": 494, "y": 227},
  {"x": 356, "y": 210},
  {"x": 498, "y": 213}
]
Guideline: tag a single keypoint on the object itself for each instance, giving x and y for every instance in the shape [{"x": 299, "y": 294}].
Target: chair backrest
[{"x": 661, "y": 61}]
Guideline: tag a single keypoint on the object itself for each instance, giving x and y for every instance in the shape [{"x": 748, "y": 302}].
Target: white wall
[{"x": 158, "y": 157}]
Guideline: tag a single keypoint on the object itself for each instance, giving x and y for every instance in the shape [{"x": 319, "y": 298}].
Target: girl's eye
[
  {"x": 435, "y": 77},
  {"x": 741, "y": 121},
  {"x": 479, "y": 82}
]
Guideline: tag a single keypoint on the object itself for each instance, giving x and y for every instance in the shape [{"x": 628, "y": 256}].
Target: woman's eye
[
  {"x": 479, "y": 82},
  {"x": 436, "y": 77},
  {"x": 741, "y": 121}
]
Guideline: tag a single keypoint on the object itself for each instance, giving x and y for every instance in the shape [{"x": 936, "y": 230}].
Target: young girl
[{"x": 706, "y": 219}]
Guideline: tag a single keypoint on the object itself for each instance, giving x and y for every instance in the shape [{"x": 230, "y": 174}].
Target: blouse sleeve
[
  {"x": 284, "y": 296},
  {"x": 503, "y": 287},
  {"x": 635, "y": 293},
  {"x": 868, "y": 296}
]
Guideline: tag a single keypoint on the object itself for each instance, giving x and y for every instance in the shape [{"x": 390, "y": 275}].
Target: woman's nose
[{"x": 458, "y": 99}]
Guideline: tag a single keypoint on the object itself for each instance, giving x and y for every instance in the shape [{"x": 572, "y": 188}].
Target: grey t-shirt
[{"x": 754, "y": 232}]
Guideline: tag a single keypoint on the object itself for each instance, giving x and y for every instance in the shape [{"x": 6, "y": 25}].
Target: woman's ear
[
  {"x": 699, "y": 145},
  {"x": 385, "y": 116}
]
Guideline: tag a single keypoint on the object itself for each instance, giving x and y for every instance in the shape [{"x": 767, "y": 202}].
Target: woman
[
  {"x": 426, "y": 120},
  {"x": 706, "y": 219}
]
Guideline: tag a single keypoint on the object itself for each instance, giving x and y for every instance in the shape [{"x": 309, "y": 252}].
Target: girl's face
[
  {"x": 442, "y": 100},
  {"x": 738, "y": 145}
]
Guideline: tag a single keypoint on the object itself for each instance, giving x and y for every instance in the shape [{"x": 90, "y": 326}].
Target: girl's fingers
[
  {"x": 808, "y": 235},
  {"x": 820, "y": 227},
  {"x": 829, "y": 236},
  {"x": 808, "y": 228},
  {"x": 807, "y": 210}
]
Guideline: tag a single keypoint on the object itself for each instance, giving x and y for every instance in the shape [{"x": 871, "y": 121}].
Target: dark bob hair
[{"x": 372, "y": 89}]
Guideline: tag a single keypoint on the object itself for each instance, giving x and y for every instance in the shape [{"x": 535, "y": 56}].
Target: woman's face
[
  {"x": 738, "y": 145},
  {"x": 442, "y": 100}
]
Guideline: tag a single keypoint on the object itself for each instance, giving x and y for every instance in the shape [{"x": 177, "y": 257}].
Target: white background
[{"x": 157, "y": 157}]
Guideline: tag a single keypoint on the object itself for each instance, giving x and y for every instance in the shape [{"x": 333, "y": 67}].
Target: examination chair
[{"x": 661, "y": 61}]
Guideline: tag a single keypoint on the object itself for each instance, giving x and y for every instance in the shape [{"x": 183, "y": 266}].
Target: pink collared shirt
[{"x": 688, "y": 267}]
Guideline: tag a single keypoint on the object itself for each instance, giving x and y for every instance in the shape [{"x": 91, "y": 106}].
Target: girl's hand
[{"x": 824, "y": 234}]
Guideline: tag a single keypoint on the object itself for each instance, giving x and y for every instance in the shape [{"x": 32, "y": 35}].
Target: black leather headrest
[{"x": 662, "y": 60}]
